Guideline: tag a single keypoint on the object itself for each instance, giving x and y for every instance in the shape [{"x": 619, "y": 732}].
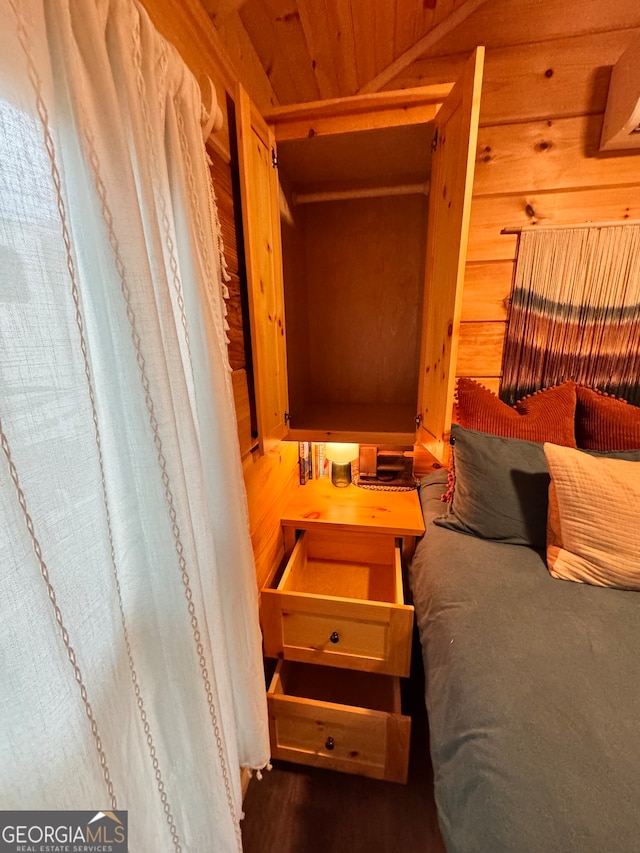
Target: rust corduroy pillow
[
  {"x": 547, "y": 415},
  {"x": 606, "y": 423}
]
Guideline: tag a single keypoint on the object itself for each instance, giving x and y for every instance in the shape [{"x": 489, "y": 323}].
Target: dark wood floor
[{"x": 298, "y": 809}]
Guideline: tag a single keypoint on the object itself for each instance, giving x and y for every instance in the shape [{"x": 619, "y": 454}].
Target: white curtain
[{"x": 130, "y": 664}]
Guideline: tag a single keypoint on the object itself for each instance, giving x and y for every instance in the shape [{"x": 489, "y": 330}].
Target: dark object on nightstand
[{"x": 385, "y": 466}]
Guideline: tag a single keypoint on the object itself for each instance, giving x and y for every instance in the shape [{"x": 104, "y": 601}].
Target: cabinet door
[
  {"x": 447, "y": 231},
  {"x": 263, "y": 253}
]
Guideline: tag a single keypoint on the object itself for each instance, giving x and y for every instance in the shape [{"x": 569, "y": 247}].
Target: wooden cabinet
[
  {"x": 340, "y": 626},
  {"x": 355, "y": 222}
]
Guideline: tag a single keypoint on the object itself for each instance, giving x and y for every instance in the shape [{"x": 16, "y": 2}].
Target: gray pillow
[{"x": 500, "y": 487}]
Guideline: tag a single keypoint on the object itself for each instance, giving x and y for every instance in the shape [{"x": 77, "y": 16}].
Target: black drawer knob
[
  {"x": 329, "y": 744},
  {"x": 335, "y": 637}
]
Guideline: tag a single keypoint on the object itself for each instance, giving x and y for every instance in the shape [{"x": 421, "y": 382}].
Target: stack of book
[{"x": 313, "y": 463}]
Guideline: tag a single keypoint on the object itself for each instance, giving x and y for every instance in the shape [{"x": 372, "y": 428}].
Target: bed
[{"x": 533, "y": 696}]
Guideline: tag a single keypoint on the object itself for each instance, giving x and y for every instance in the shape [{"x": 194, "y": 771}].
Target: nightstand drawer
[
  {"x": 340, "y": 603},
  {"x": 348, "y": 721}
]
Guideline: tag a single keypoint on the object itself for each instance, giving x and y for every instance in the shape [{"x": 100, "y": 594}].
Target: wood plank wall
[
  {"x": 268, "y": 479},
  {"x": 544, "y": 93}
]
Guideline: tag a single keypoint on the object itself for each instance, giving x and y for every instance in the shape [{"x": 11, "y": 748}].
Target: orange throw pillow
[
  {"x": 547, "y": 415},
  {"x": 606, "y": 423}
]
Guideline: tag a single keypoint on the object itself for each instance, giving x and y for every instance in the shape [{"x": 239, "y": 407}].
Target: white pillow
[{"x": 593, "y": 526}]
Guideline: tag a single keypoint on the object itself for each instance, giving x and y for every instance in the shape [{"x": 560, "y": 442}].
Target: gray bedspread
[{"x": 533, "y": 696}]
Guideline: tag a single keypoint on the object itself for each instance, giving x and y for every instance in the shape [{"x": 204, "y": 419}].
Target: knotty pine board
[
  {"x": 553, "y": 153},
  {"x": 503, "y": 23},
  {"x": 480, "y": 349},
  {"x": 492, "y": 213},
  {"x": 487, "y": 289},
  {"x": 271, "y": 28},
  {"x": 529, "y": 82}
]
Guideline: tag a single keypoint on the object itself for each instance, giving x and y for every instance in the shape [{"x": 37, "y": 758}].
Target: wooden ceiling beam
[
  {"x": 422, "y": 46},
  {"x": 320, "y": 38}
]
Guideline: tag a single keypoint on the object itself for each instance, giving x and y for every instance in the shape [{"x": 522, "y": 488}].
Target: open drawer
[
  {"x": 340, "y": 602},
  {"x": 348, "y": 721}
]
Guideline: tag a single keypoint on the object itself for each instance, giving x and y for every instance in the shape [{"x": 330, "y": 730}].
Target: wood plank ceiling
[{"x": 317, "y": 49}]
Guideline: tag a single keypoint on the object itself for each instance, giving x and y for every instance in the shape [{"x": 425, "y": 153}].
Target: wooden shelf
[
  {"x": 320, "y": 503},
  {"x": 363, "y": 423}
]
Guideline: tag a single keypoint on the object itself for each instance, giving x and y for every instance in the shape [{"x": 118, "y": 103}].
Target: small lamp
[{"x": 341, "y": 456}]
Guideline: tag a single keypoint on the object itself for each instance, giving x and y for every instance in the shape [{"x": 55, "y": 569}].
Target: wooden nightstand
[{"x": 338, "y": 622}]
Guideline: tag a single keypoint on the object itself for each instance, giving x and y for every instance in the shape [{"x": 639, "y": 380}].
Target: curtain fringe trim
[{"x": 258, "y": 770}]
